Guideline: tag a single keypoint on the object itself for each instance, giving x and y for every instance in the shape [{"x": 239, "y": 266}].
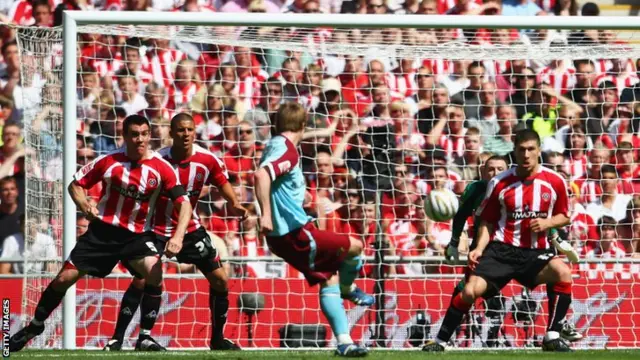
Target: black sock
[
  {"x": 559, "y": 296},
  {"x": 128, "y": 306},
  {"x": 49, "y": 301},
  {"x": 452, "y": 318},
  {"x": 219, "y": 305},
  {"x": 149, "y": 308}
]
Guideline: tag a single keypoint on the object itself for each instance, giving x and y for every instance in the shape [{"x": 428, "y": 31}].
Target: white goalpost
[{"x": 405, "y": 270}]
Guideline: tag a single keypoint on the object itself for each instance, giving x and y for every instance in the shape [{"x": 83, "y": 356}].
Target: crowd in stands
[{"x": 385, "y": 130}]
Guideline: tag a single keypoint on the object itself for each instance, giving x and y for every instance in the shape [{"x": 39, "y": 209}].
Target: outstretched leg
[
  {"x": 460, "y": 305},
  {"x": 333, "y": 309},
  {"x": 49, "y": 301},
  {"x": 348, "y": 272}
]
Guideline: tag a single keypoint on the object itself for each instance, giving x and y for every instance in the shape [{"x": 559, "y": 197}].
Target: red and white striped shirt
[
  {"x": 21, "y": 13},
  {"x": 200, "y": 169},
  {"x": 129, "y": 191},
  {"x": 404, "y": 84},
  {"x": 249, "y": 88},
  {"x": 452, "y": 145},
  {"x": 561, "y": 80},
  {"x": 179, "y": 98},
  {"x": 576, "y": 168},
  {"x": 621, "y": 81},
  {"x": 160, "y": 65},
  {"x": 513, "y": 202},
  {"x": 439, "y": 67}
]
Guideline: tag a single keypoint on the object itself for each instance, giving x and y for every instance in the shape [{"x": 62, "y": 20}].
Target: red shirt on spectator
[
  {"x": 160, "y": 63},
  {"x": 179, "y": 98}
]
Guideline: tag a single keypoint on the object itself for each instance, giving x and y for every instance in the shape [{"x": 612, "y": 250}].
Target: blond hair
[{"x": 291, "y": 116}]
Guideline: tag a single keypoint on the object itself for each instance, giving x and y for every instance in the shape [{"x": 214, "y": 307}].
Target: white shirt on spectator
[
  {"x": 43, "y": 247},
  {"x": 138, "y": 104},
  {"x": 12, "y": 248},
  {"x": 618, "y": 210},
  {"x": 454, "y": 85},
  {"x": 27, "y": 101}
]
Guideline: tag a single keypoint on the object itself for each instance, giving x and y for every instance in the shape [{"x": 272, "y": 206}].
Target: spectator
[
  {"x": 270, "y": 99},
  {"x": 581, "y": 93},
  {"x": 608, "y": 246},
  {"x": 486, "y": 119},
  {"x": 602, "y": 113},
  {"x": 131, "y": 100},
  {"x": 564, "y": 8},
  {"x": 521, "y": 8},
  {"x": 239, "y": 159},
  {"x": 292, "y": 78},
  {"x": 6, "y": 108},
  {"x": 611, "y": 203},
  {"x": 629, "y": 228},
  {"x": 185, "y": 86},
  {"x": 423, "y": 97},
  {"x": 467, "y": 165},
  {"x": 502, "y": 142},
  {"x": 576, "y": 153},
  {"x": 448, "y": 133},
  {"x": 110, "y": 135},
  {"x": 42, "y": 14},
  {"x": 12, "y": 247},
  {"x": 156, "y": 112},
  {"x": 10, "y": 210}
]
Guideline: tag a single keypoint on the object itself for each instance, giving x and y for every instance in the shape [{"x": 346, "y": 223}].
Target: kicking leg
[
  {"x": 219, "y": 306},
  {"x": 557, "y": 275},
  {"x": 333, "y": 309},
  {"x": 150, "y": 267},
  {"x": 348, "y": 273},
  {"x": 460, "y": 305},
  {"x": 128, "y": 307},
  {"x": 49, "y": 301}
]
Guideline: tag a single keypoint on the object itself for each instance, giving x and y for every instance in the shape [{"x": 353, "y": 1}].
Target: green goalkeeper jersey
[{"x": 471, "y": 199}]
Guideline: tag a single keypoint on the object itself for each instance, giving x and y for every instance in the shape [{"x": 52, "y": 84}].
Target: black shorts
[
  {"x": 501, "y": 263},
  {"x": 98, "y": 250},
  {"x": 197, "y": 249}
]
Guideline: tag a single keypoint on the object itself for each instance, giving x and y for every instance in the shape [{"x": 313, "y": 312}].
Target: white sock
[
  {"x": 344, "y": 339},
  {"x": 441, "y": 342}
]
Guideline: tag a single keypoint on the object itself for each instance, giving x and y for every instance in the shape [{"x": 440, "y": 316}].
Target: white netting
[{"x": 393, "y": 109}]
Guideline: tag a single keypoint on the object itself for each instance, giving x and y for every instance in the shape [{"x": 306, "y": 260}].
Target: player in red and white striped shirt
[
  {"x": 521, "y": 204},
  {"x": 133, "y": 178},
  {"x": 197, "y": 169}
]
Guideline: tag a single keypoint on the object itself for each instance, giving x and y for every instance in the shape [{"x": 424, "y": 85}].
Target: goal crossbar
[{"x": 74, "y": 20}]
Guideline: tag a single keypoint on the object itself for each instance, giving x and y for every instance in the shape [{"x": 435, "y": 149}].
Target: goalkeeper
[{"x": 471, "y": 198}]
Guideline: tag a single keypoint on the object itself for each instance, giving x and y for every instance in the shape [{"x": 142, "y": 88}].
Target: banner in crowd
[{"x": 606, "y": 311}]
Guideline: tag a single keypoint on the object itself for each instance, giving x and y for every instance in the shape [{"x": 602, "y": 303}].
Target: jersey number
[
  {"x": 151, "y": 246},
  {"x": 202, "y": 247}
]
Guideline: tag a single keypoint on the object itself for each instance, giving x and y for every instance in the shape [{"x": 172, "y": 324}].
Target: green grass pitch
[{"x": 296, "y": 354}]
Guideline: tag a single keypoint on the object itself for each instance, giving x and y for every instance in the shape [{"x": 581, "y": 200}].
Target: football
[{"x": 441, "y": 204}]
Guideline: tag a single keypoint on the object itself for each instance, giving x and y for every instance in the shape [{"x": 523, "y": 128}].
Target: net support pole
[{"x": 69, "y": 168}]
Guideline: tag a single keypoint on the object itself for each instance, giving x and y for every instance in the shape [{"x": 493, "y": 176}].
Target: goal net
[{"x": 393, "y": 114}]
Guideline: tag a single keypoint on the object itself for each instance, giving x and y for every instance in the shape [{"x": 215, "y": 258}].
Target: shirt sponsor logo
[
  {"x": 132, "y": 192},
  {"x": 521, "y": 215}
]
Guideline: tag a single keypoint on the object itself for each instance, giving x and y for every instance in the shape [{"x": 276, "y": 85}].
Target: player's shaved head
[
  {"x": 180, "y": 117},
  {"x": 134, "y": 120},
  {"x": 525, "y": 135}
]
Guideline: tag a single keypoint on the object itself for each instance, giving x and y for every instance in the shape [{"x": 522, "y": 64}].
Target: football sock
[
  {"x": 219, "y": 305},
  {"x": 149, "y": 307},
  {"x": 333, "y": 308},
  {"x": 457, "y": 290},
  {"x": 559, "y": 295},
  {"x": 348, "y": 273},
  {"x": 128, "y": 306},
  {"x": 49, "y": 301},
  {"x": 452, "y": 318}
]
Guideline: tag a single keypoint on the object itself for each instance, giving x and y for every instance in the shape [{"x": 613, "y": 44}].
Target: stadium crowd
[{"x": 402, "y": 125}]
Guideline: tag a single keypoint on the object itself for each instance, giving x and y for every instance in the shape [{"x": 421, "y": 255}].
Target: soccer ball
[{"x": 441, "y": 205}]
